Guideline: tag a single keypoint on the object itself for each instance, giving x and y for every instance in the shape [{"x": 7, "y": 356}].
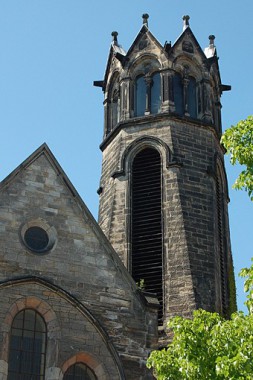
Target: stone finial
[
  {"x": 115, "y": 37},
  {"x": 186, "y": 22},
  {"x": 145, "y": 18},
  {"x": 211, "y": 40},
  {"x": 210, "y": 51}
]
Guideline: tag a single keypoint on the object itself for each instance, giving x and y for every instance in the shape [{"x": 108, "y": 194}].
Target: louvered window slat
[
  {"x": 146, "y": 231},
  {"x": 220, "y": 226}
]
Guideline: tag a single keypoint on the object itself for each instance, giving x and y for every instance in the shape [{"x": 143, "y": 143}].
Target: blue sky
[{"x": 52, "y": 50}]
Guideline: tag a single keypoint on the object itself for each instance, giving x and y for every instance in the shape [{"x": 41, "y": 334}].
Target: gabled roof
[
  {"x": 115, "y": 50},
  {"x": 186, "y": 32},
  {"x": 144, "y": 30},
  {"x": 44, "y": 150}
]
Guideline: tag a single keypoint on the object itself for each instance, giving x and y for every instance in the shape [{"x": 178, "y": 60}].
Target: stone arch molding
[
  {"x": 90, "y": 360},
  {"x": 53, "y": 372},
  {"x": 136, "y": 146},
  {"x": 52, "y": 325},
  {"x": 194, "y": 69},
  {"x": 145, "y": 64},
  {"x": 114, "y": 79}
]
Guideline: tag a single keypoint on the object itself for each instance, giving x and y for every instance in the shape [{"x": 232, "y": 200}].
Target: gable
[
  {"x": 79, "y": 259},
  {"x": 145, "y": 44},
  {"x": 38, "y": 193},
  {"x": 188, "y": 46}
]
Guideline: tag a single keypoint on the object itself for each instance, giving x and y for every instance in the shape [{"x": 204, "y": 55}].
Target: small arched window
[
  {"x": 178, "y": 94},
  {"x": 27, "y": 353},
  {"x": 192, "y": 98},
  {"x": 113, "y": 106},
  {"x": 79, "y": 371},
  {"x": 185, "y": 95},
  {"x": 147, "y": 94},
  {"x": 155, "y": 93},
  {"x": 140, "y": 96}
]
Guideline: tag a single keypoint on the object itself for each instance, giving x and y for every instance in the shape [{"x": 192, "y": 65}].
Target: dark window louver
[
  {"x": 146, "y": 226},
  {"x": 220, "y": 225}
]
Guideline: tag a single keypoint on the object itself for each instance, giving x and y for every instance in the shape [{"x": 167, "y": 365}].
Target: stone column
[
  {"x": 185, "y": 91},
  {"x": 207, "y": 114},
  {"x": 148, "y": 81},
  {"x": 126, "y": 99},
  {"x": 167, "y": 90}
]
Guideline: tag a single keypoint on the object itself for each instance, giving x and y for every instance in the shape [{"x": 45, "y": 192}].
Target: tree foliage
[
  {"x": 238, "y": 141},
  {"x": 209, "y": 346}
]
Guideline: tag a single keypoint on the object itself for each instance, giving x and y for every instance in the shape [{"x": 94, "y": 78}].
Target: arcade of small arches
[{"x": 181, "y": 92}]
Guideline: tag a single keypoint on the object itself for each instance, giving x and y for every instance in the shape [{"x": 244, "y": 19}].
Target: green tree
[
  {"x": 209, "y": 346},
  {"x": 238, "y": 141}
]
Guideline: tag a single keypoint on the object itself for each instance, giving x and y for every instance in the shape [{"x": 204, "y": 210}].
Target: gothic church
[{"x": 88, "y": 300}]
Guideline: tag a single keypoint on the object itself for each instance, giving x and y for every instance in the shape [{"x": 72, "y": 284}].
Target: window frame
[
  {"x": 147, "y": 94},
  {"x": 27, "y": 338}
]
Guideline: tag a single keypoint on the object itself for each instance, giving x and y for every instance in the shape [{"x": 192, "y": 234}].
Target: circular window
[
  {"x": 38, "y": 236},
  {"x": 36, "y": 239}
]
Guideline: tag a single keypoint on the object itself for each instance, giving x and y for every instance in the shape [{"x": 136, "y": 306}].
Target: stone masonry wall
[
  {"x": 82, "y": 263},
  {"x": 191, "y": 269}
]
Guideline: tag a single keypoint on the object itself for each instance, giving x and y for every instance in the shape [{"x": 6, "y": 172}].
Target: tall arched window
[
  {"x": 27, "y": 353},
  {"x": 185, "y": 95},
  {"x": 140, "y": 96},
  {"x": 115, "y": 108},
  {"x": 155, "y": 102},
  {"x": 178, "y": 94},
  {"x": 146, "y": 223},
  {"x": 79, "y": 371},
  {"x": 147, "y": 94},
  {"x": 113, "y": 105},
  {"x": 192, "y": 98}
]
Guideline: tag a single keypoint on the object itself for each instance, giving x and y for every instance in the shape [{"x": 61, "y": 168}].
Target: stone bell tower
[{"x": 163, "y": 189}]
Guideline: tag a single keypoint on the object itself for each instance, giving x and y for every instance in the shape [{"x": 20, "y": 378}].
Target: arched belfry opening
[
  {"x": 146, "y": 223},
  {"x": 147, "y": 94}
]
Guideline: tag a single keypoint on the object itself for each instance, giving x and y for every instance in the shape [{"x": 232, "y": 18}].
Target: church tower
[{"x": 163, "y": 189}]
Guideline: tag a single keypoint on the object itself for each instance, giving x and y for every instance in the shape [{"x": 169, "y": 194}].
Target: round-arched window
[{"x": 27, "y": 352}]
